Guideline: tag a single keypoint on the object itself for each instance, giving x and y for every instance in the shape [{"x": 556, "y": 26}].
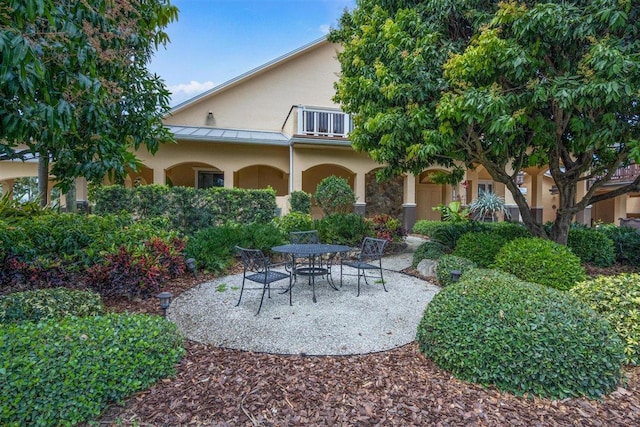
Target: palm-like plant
[{"x": 489, "y": 204}]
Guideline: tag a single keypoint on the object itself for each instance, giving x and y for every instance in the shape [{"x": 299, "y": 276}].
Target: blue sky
[{"x": 216, "y": 40}]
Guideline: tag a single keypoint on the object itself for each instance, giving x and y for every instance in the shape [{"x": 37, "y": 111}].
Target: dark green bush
[
  {"x": 63, "y": 372},
  {"x": 262, "y": 236},
  {"x": 481, "y": 247},
  {"x": 335, "y": 196},
  {"x": 426, "y": 226},
  {"x": 491, "y": 328},
  {"x": 428, "y": 250},
  {"x": 44, "y": 304},
  {"x": 294, "y": 221},
  {"x": 541, "y": 261},
  {"x": 213, "y": 247},
  {"x": 343, "y": 229},
  {"x": 617, "y": 299},
  {"x": 447, "y": 264},
  {"x": 508, "y": 230},
  {"x": 626, "y": 241},
  {"x": 592, "y": 246},
  {"x": 300, "y": 202},
  {"x": 449, "y": 232}
]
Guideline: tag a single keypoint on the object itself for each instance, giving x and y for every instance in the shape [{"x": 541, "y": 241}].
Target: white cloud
[
  {"x": 183, "y": 91},
  {"x": 325, "y": 28}
]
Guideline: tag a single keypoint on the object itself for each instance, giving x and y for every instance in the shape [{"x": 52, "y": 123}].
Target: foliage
[
  {"x": 63, "y": 372},
  {"x": 428, "y": 250},
  {"x": 343, "y": 229},
  {"x": 453, "y": 212},
  {"x": 262, "y": 236},
  {"x": 491, "y": 328},
  {"x": 44, "y": 304},
  {"x": 335, "y": 196},
  {"x": 12, "y": 209},
  {"x": 425, "y": 226},
  {"x": 592, "y": 246},
  {"x": 75, "y": 85},
  {"x": 626, "y": 241},
  {"x": 187, "y": 210},
  {"x": 300, "y": 202},
  {"x": 294, "y": 221},
  {"x": 541, "y": 261},
  {"x": 488, "y": 204},
  {"x": 508, "y": 230},
  {"x": 449, "y": 263},
  {"x": 449, "y": 232},
  {"x": 502, "y": 85},
  {"x": 386, "y": 227},
  {"x": 212, "y": 247},
  {"x": 481, "y": 247},
  {"x": 617, "y": 299}
]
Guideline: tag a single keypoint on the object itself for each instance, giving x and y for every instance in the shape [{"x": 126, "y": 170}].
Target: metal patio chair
[
  {"x": 258, "y": 268},
  {"x": 369, "y": 259}
]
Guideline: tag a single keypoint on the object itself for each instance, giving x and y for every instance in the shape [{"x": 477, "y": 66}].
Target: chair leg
[
  {"x": 382, "y": 278},
  {"x": 290, "y": 291},
  {"x": 241, "y": 290},
  {"x": 365, "y": 278},
  {"x": 264, "y": 290}
]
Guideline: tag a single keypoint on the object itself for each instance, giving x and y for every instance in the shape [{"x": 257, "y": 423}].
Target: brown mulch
[{"x": 222, "y": 387}]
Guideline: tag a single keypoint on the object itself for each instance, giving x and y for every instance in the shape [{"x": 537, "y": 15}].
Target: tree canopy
[
  {"x": 507, "y": 86},
  {"x": 74, "y": 83}
]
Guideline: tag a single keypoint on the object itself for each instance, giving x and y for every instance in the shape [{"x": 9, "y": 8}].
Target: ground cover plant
[
  {"x": 480, "y": 247},
  {"x": 592, "y": 246},
  {"x": 48, "y": 304},
  {"x": 428, "y": 250},
  {"x": 449, "y": 263},
  {"x": 492, "y": 328}
]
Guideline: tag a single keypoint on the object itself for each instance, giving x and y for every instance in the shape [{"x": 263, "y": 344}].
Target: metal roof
[{"x": 209, "y": 134}]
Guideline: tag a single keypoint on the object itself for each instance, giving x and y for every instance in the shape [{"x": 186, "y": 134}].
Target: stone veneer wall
[{"x": 384, "y": 197}]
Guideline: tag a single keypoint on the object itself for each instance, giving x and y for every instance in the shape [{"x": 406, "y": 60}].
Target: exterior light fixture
[
  {"x": 191, "y": 266},
  {"x": 210, "y": 114},
  {"x": 520, "y": 178},
  {"x": 455, "y": 275},
  {"x": 165, "y": 301}
]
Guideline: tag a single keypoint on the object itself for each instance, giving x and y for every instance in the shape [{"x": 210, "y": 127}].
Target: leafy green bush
[
  {"x": 447, "y": 264},
  {"x": 300, "y": 202},
  {"x": 448, "y": 233},
  {"x": 262, "y": 236},
  {"x": 508, "y": 230},
  {"x": 626, "y": 241},
  {"x": 491, "y": 328},
  {"x": 541, "y": 261},
  {"x": 617, "y": 299},
  {"x": 481, "y": 247},
  {"x": 428, "y": 250},
  {"x": 48, "y": 304},
  {"x": 343, "y": 229},
  {"x": 213, "y": 247},
  {"x": 592, "y": 246},
  {"x": 335, "y": 196},
  {"x": 426, "y": 226},
  {"x": 63, "y": 372},
  {"x": 294, "y": 221}
]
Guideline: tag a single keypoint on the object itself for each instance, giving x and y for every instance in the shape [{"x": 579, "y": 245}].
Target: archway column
[
  {"x": 160, "y": 175},
  {"x": 7, "y": 186},
  {"x": 360, "y": 181},
  {"x": 409, "y": 205}
]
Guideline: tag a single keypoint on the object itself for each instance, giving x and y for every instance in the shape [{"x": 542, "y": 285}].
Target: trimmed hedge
[
  {"x": 626, "y": 242},
  {"x": 541, "y": 261},
  {"x": 426, "y": 226},
  {"x": 480, "y": 247},
  {"x": 492, "y": 328},
  {"x": 451, "y": 262},
  {"x": 46, "y": 304},
  {"x": 617, "y": 299},
  {"x": 63, "y": 372},
  {"x": 592, "y": 246}
]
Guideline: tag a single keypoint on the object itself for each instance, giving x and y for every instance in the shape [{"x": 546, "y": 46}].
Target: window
[
  {"x": 324, "y": 123},
  {"x": 485, "y": 187},
  {"x": 207, "y": 179}
]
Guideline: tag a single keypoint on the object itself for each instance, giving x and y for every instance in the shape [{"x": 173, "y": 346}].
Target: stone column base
[{"x": 409, "y": 216}]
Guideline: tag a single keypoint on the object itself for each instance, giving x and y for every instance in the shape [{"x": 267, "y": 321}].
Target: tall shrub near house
[
  {"x": 300, "y": 202},
  {"x": 335, "y": 195}
]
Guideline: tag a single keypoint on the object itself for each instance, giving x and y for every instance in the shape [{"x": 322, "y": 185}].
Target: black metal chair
[
  {"x": 258, "y": 268},
  {"x": 369, "y": 258}
]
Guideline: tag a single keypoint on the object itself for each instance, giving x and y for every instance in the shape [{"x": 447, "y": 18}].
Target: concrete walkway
[{"x": 338, "y": 324}]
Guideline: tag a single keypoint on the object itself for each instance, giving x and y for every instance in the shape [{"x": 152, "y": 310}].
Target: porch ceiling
[{"x": 209, "y": 134}]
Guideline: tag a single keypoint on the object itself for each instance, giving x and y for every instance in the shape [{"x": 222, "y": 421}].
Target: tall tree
[
  {"x": 74, "y": 85},
  {"x": 505, "y": 85}
]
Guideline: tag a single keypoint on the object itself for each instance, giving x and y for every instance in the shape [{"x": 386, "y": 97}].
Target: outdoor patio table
[{"x": 312, "y": 251}]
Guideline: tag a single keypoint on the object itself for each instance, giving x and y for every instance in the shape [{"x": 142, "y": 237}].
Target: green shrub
[
  {"x": 343, "y": 229},
  {"x": 63, "y": 372},
  {"x": 426, "y": 226},
  {"x": 428, "y": 250},
  {"x": 541, "y": 261},
  {"x": 386, "y": 227},
  {"x": 481, "y": 247},
  {"x": 617, "y": 299},
  {"x": 300, "y": 202},
  {"x": 449, "y": 232},
  {"x": 335, "y": 196},
  {"x": 294, "y": 221},
  {"x": 626, "y": 241},
  {"x": 213, "y": 247},
  {"x": 45, "y": 304},
  {"x": 491, "y": 328},
  {"x": 447, "y": 264},
  {"x": 508, "y": 230},
  {"x": 592, "y": 246},
  {"x": 262, "y": 236}
]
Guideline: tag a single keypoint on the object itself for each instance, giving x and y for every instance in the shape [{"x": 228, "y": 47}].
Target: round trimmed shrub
[
  {"x": 480, "y": 247},
  {"x": 428, "y": 250},
  {"x": 592, "y": 246},
  {"x": 492, "y": 328},
  {"x": 64, "y": 372},
  {"x": 44, "y": 304},
  {"x": 451, "y": 262},
  {"x": 626, "y": 242},
  {"x": 541, "y": 261},
  {"x": 335, "y": 196},
  {"x": 509, "y": 230},
  {"x": 294, "y": 221},
  {"x": 426, "y": 226},
  {"x": 617, "y": 299}
]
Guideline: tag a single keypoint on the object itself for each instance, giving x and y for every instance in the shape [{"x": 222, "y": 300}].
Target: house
[{"x": 278, "y": 126}]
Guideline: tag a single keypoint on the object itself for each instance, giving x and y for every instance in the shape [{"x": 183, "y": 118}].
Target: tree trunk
[
  {"x": 43, "y": 179},
  {"x": 564, "y": 214}
]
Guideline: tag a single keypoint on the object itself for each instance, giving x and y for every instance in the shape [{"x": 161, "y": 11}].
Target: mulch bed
[{"x": 222, "y": 387}]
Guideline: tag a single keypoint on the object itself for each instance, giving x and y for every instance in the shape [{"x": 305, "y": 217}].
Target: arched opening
[
  {"x": 194, "y": 174},
  {"x": 429, "y": 195},
  {"x": 312, "y": 177},
  {"x": 262, "y": 176}
]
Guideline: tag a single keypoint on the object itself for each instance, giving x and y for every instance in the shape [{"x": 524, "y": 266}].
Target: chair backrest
[
  {"x": 304, "y": 237},
  {"x": 253, "y": 259},
  {"x": 372, "y": 249}
]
